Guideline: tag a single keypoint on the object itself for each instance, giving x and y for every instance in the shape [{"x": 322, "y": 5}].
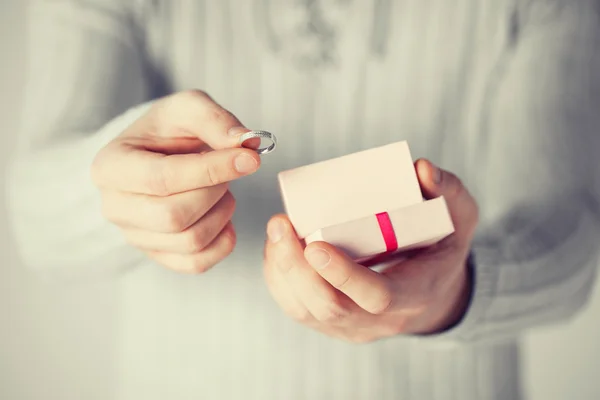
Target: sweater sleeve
[
  {"x": 86, "y": 82},
  {"x": 535, "y": 256}
]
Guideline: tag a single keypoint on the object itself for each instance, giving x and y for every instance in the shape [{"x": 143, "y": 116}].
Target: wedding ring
[{"x": 262, "y": 135}]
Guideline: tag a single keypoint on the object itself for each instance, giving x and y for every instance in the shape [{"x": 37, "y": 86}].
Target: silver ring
[{"x": 261, "y": 135}]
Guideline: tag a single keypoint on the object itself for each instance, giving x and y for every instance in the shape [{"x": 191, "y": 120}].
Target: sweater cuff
[{"x": 484, "y": 277}]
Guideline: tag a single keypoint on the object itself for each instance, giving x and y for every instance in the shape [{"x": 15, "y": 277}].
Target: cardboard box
[{"x": 363, "y": 202}]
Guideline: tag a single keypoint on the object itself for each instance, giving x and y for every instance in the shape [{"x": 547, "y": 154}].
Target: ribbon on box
[
  {"x": 389, "y": 237},
  {"x": 387, "y": 231}
]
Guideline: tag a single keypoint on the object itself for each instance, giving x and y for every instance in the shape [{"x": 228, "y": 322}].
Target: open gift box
[{"x": 367, "y": 204}]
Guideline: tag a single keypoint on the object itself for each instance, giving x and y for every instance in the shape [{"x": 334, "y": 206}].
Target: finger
[
  {"x": 284, "y": 254},
  {"x": 368, "y": 289},
  {"x": 125, "y": 166},
  {"x": 252, "y": 143},
  {"x": 462, "y": 206},
  {"x": 201, "y": 262},
  {"x": 284, "y": 296},
  {"x": 191, "y": 241},
  {"x": 171, "y": 214},
  {"x": 193, "y": 113},
  {"x": 167, "y": 146}
]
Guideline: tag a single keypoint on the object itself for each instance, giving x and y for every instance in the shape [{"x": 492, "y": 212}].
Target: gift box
[{"x": 367, "y": 203}]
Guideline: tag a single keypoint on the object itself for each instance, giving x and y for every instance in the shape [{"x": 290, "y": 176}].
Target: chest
[
  {"x": 351, "y": 74},
  {"x": 334, "y": 77}
]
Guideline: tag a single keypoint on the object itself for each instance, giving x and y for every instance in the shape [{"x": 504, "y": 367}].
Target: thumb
[{"x": 436, "y": 182}]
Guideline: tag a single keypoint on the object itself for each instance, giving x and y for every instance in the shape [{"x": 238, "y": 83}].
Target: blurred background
[{"x": 52, "y": 341}]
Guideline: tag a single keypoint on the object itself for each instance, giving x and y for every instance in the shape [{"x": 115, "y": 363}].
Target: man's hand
[
  {"x": 164, "y": 181},
  {"x": 426, "y": 293}
]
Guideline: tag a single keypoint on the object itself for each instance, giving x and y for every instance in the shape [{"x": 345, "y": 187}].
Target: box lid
[
  {"x": 349, "y": 187},
  {"x": 414, "y": 226}
]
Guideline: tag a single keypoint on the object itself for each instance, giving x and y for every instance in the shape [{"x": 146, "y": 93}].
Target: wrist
[{"x": 459, "y": 305}]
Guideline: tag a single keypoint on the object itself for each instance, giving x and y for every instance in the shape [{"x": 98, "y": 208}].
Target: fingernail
[
  {"x": 244, "y": 163},
  {"x": 275, "y": 231},
  {"x": 318, "y": 258},
  {"x": 237, "y": 130},
  {"x": 437, "y": 174}
]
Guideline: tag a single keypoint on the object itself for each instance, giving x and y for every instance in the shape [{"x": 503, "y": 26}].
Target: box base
[{"x": 417, "y": 226}]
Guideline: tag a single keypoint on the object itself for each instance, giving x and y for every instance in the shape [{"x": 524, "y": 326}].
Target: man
[{"x": 500, "y": 93}]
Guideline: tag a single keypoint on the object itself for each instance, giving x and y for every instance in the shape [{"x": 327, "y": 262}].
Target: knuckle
[
  {"x": 382, "y": 304},
  {"x": 134, "y": 240},
  {"x": 396, "y": 327},
  {"x": 219, "y": 114},
  {"x": 157, "y": 179},
  {"x": 170, "y": 108},
  {"x": 268, "y": 267},
  {"x": 174, "y": 218},
  {"x": 457, "y": 180},
  {"x": 279, "y": 259},
  {"x": 190, "y": 95},
  {"x": 282, "y": 263},
  {"x": 195, "y": 240},
  {"x": 109, "y": 214},
  {"x": 230, "y": 200},
  {"x": 213, "y": 174},
  {"x": 198, "y": 264},
  {"x": 331, "y": 315},
  {"x": 458, "y": 188},
  {"x": 284, "y": 266},
  {"x": 229, "y": 241},
  {"x": 107, "y": 211},
  {"x": 226, "y": 204},
  {"x": 332, "y": 310},
  {"x": 451, "y": 177},
  {"x": 300, "y": 314},
  {"x": 111, "y": 210},
  {"x": 100, "y": 168},
  {"x": 200, "y": 267},
  {"x": 342, "y": 282},
  {"x": 269, "y": 273}
]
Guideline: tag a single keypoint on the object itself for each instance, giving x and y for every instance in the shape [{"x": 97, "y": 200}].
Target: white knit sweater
[{"x": 502, "y": 92}]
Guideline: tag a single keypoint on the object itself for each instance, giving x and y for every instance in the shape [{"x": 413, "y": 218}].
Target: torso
[
  {"x": 406, "y": 70},
  {"x": 416, "y": 71}
]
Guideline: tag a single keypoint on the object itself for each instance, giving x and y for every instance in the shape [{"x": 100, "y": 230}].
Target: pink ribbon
[{"x": 387, "y": 231}]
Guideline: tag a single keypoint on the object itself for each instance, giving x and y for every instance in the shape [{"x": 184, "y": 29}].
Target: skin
[{"x": 164, "y": 183}]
